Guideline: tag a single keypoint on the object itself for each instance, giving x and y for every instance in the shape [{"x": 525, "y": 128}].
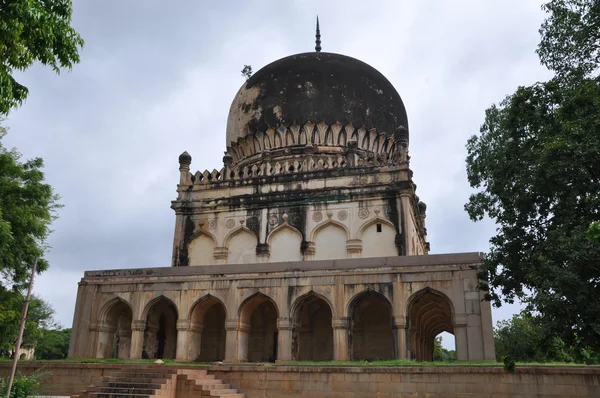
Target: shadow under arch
[
  {"x": 114, "y": 340},
  {"x": 207, "y": 329},
  {"x": 258, "y": 333},
  {"x": 429, "y": 312},
  {"x": 312, "y": 331},
  {"x": 160, "y": 334},
  {"x": 371, "y": 334}
]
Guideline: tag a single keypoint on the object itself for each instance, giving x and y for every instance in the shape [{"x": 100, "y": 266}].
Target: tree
[
  {"x": 440, "y": 354},
  {"x": 53, "y": 344},
  {"x": 39, "y": 317},
  {"x": 536, "y": 168},
  {"x": 524, "y": 339},
  {"x": 27, "y": 207},
  {"x": 34, "y": 31}
]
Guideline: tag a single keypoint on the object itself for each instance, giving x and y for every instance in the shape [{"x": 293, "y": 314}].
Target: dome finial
[{"x": 318, "y": 36}]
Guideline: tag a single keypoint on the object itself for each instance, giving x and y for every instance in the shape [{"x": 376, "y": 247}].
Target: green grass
[{"x": 309, "y": 363}]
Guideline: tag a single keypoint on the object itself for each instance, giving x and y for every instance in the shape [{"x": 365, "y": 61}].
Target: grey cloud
[{"x": 158, "y": 78}]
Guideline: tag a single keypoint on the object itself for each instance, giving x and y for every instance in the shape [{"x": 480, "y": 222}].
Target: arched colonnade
[{"x": 257, "y": 331}]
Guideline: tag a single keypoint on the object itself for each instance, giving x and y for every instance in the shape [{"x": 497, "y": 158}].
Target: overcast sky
[{"x": 157, "y": 78}]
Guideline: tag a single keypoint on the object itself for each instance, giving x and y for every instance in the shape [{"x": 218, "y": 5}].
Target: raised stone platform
[{"x": 278, "y": 381}]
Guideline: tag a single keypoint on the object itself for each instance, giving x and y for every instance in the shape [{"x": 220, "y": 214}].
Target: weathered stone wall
[
  {"x": 426, "y": 382},
  {"x": 355, "y": 382},
  {"x": 409, "y": 298}
]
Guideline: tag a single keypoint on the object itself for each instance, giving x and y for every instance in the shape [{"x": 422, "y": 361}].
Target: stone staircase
[{"x": 159, "y": 381}]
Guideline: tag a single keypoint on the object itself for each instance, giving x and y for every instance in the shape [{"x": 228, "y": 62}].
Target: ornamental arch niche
[
  {"x": 330, "y": 241},
  {"x": 378, "y": 239},
  {"x": 257, "y": 336},
  {"x": 371, "y": 333},
  {"x": 201, "y": 249},
  {"x": 429, "y": 314},
  {"x": 312, "y": 331},
  {"x": 207, "y": 339},
  {"x": 114, "y": 340},
  {"x": 160, "y": 333},
  {"x": 242, "y": 246},
  {"x": 284, "y": 244}
]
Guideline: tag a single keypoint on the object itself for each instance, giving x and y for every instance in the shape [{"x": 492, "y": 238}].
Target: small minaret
[{"x": 185, "y": 178}]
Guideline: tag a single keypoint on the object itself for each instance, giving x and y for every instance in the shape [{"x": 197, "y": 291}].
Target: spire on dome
[{"x": 318, "y": 36}]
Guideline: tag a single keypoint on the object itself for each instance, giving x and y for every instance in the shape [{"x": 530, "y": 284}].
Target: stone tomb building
[{"x": 308, "y": 244}]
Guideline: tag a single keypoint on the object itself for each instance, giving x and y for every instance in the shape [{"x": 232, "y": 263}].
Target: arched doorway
[
  {"x": 429, "y": 314},
  {"x": 160, "y": 334},
  {"x": 258, "y": 331},
  {"x": 312, "y": 334},
  {"x": 115, "y": 335},
  {"x": 208, "y": 330},
  {"x": 371, "y": 333}
]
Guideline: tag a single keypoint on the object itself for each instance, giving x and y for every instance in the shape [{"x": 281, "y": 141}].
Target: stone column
[
  {"x": 105, "y": 337},
  {"x": 460, "y": 334},
  {"x": 284, "y": 339},
  {"x": 183, "y": 340},
  {"x": 243, "y": 340},
  {"x": 195, "y": 341},
  {"x": 231, "y": 343},
  {"x": 354, "y": 248},
  {"x": 400, "y": 336},
  {"x": 340, "y": 339},
  {"x": 137, "y": 339}
]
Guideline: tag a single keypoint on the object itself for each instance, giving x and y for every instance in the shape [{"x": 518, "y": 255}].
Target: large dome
[{"x": 316, "y": 87}]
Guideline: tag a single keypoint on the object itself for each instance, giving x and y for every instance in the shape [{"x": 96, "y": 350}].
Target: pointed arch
[
  {"x": 285, "y": 243},
  {"x": 371, "y": 330},
  {"x": 203, "y": 304},
  {"x": 326, "y": 223},
  {"x": 307, "y": 296},
  {"x": 155, "y": 301},
  {"x": 110, "y": 305},
  {"x": 331, "y": 241},
  {"x": 239, "y": 229},
  {"x": 376, "y": 220},
  {"x": 257, "y": 339},
  {"x": 241, "y": 244},
  {"x": 429, "y": 312},
  {"x": 251, "y": 302},
  {"x": 312, "y": 329},
  {"x": 207, "y": 329}
]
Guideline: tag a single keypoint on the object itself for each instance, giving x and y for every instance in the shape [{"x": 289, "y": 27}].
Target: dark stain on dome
[{"x": 320, "y": 87}]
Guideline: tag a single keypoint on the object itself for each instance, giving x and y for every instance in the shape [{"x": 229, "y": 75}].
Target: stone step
[
  {"x": 136, "y": 384},
  {"x": 220, "y": 393},
  {"x": 152, "y": 375},
  {"x": 126, "y": 390},
  {"x": 209, "y": 387},
  {"x": 108, "y": 395},
  {"x": 206, "y": 381},
  {"x": 145, "y": 380}
]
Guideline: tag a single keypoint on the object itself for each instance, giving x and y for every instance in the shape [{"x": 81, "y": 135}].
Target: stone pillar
[
  {"x": 284, "y": 339},
  {"x": 124, "y": 349},
  {"x": 308, "y": 250},
  {"x": 460, "y": 334},
  {"x": 400, "y": 336},
  {"x": 231, "y": 343},
  {"x": 221, "y": 254},
  {"x": 243, "y": 341},
  {"x": 195, "y": 341},
  {"x": 137, "y": 339},
  {"x": 340, "y": 339},
  {"x": 183, "y": 340},
  {"x": 105, "y": 340}
]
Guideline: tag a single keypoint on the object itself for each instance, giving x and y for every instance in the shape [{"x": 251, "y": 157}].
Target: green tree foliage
[
  {"x": 536, "y": 168},
  {"x": 39, "y": 318},
  {"x": 33, "y": 31},
  {"x": 53, "y": 344},
  {"x": 23, "y": 386},
  {"x": 440, "y": 354},
  {"x": 525, "y": 339},
  {"x": 27, "y": 207}
]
